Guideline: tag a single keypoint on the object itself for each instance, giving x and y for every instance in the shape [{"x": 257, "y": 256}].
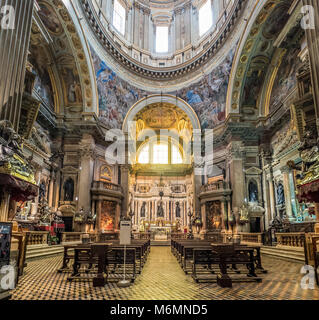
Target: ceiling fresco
[{"x": 207, "y": 97}]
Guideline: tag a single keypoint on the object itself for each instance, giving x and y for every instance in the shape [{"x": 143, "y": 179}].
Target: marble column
[
  {"x": 285, "y": 173},
  {"x": 51, "y": 187},
  {"x": 272, "y": 199},
  {"x": 4, "y": 206},
  {"x": 197, "y": 184},
  {"x": 15, "y": 29},
  {"x": 98, "y": 215},
  {"x": 38, "y": 174},
  {"x": 237, "y": 178},
  {"x": 117, "y": 217},
  {"x": 312, "y": 35},
  {"x": 87, "y": 146},
  {"x": 204, "y": 219}
]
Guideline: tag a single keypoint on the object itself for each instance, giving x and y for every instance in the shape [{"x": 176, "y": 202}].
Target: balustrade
[
  {"x": 250, "y": 237},
  {"x": 37, "y": 237},
  {"x": 295, "y": 239}
]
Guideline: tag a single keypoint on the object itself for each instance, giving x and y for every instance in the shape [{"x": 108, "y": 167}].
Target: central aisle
[{"x": 162, "y": 278}]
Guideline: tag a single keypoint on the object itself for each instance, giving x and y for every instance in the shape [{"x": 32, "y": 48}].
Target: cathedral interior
[{"x": 194, "y": 120}]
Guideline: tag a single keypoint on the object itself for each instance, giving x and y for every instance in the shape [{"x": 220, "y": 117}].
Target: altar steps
[
  {"x": 295, "y": 254},
  {"x": 161, "y": 243},
  {"x": 42, "y": 250}
]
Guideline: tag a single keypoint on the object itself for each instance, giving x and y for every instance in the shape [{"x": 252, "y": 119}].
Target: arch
[
  {"x": 164, "y": 98},
  {"x": 252, "y": 60}
]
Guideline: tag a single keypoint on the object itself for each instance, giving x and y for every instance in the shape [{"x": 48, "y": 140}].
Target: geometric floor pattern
[{"x": 162, "y": 279}]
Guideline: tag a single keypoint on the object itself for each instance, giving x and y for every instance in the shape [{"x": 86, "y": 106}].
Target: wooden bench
[{"x": 232, "y": 255}]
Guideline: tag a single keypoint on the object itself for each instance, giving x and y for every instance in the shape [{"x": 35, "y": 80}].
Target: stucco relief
[{"x": 284, "y": 138}]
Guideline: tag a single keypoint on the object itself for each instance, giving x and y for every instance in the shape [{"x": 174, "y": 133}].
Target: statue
[
  {"x": 280, "y": 194},
  {"x": 178, "y": 210},
  {"x": 45, "y": 213},
  {"x": 160, "y": 210},
  {"x": 68, "y": 190},
  {"x": 143, "y": 210},
  {"x": 42, "y": 190},
  {"x": 244, "y": 214},
  {"x": 9, "y": 138},
  {"x": 253, "y": 192}
]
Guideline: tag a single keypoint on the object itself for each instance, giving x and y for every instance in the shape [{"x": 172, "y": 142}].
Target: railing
[
  {"x": 103, "y": 185},
  {"x": 142, "y": 236},
  {"x": 215, "y": 237},
  {"x": 77, "y": 237},
  {"x": 250, "y": 237},
  {"x": 295, "y": 239},
  {"x": 219, "y": 185},
  {"x": 37, "y": 237},
  {"x": 178, "y": 235},
  {"x": 103, "y": 237}
]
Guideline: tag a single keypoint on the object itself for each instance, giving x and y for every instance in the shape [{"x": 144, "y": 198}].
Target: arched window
[
  {"x": 159, "y": 153},
  {"x": 205, "y": 17},
  {"x": 161, "y": 39},
  {"x": 119, "y": 17}
]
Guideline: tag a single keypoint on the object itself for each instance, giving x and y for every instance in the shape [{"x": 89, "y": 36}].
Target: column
[
  {"x": 272, "y": 199},
  {"x": 237, "y": 178},
  {"x": 197, "y": 183},
  {"x": 98, "y": 214},
  {"x": 117, "y": 216},
  {"x": 87, "y": 146},
  {"x": 312, "y": 35},
  {"x": 14, "y": 43},
  {"x": 203, "y": 216},
  {"x": 37, "y": 176},
  {"x": 51, "y": 187},
  {"x": 285, "y": 173}
]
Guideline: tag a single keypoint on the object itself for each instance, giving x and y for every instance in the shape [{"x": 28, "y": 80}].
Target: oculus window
[
  {"x": 205, "y": 17},
  {"x": 161, "y": 39},
  {"x": 119, "y": 17}
]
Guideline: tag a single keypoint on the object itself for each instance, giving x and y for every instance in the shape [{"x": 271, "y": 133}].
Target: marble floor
[{"x": 162, "y": 279}]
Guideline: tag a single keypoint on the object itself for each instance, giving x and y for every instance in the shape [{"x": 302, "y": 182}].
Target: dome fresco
[{"x": 207, "y": 96}]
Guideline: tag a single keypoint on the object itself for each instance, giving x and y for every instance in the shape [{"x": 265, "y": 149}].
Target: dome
[{"x": 162, "y": 38}]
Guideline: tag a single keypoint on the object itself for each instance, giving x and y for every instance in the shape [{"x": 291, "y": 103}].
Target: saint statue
[
  {"x": 178, "y": 210},
  {"x": 68, "y": 190},
  {"x": 143, "y": 210},
  {"x": 253, "y": 192},
  {"x": 280, "y": 194},
  {"x": 160, "y": 210}
]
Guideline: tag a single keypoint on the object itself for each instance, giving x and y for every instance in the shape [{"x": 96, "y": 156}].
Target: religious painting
[
  {"x": 214, "y": 215},
  {"x": 72, "y": 86},
  {"x": 40, "y": 68},
  {"x": 286, "y": 79},
  {"x": 108, "y": 211},
  {"x": 50, "y": 18},
  {"x": 207, "y": 97}
]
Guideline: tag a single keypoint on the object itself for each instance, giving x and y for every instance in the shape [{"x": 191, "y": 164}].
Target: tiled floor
[{"x": 162, "y": 279}]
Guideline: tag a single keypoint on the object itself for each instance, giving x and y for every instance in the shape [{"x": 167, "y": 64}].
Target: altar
[{"x": 160, "y": 233}]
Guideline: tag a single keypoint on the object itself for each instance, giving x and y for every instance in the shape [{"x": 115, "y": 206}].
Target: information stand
[
  {"x": 125, "y": 239},
  {"x": 5, "y": 243},
  {"x": 5, "y": 248}
]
